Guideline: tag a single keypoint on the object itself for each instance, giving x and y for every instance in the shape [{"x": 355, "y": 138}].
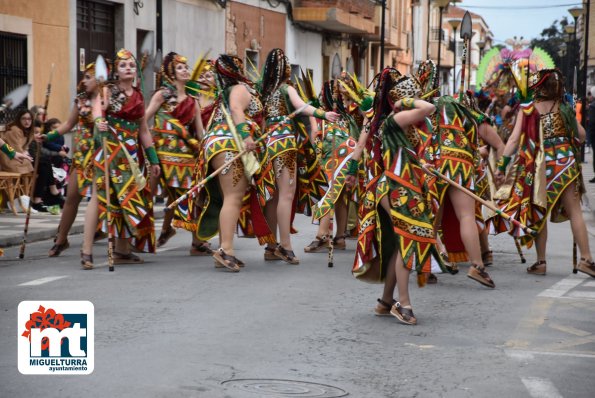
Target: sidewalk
[{"x": 42, "y": 226}]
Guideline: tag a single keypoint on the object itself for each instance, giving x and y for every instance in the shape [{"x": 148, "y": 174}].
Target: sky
[{"x": 527, "y": 18}]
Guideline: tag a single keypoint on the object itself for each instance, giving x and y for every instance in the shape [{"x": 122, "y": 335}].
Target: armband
[
  {"x": 98, "y": 120},
  {"x": 243, "y": 130},
  {"x": 8, "y": 150},
  {"x": 408, "y": 103},
  {"x": 52, "y": 135},
  {"x": 503, "y": 162},
  {"x": 152, "y": 155},
  {"x": 319, "y": 114}
]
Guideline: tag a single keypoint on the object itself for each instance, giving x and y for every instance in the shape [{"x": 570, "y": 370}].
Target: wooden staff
[
  {"x": 331, "y": 243},
  {"x": 110, "y": 237},
  {"x": 214, "y": 174},
  {"x": 431, "y": 170},
  {"x": 36, "y": 165},
  {"x": 574, "y": 257}
]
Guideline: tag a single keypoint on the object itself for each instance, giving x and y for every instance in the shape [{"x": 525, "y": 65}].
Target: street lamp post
[
  {"x": 570, "y": 31},
  {"x": 382, "y": 28},
  {"x": 454, "y": 24},
  {"x": 585, "y": 58},
  {"x": 442, "y": 4}
]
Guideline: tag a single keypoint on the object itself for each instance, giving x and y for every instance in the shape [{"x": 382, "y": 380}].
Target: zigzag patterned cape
[
  {"x": 395, "y": 172},
  {"x": 131, "y": 208},
  {"x": 176, "y": 148}
]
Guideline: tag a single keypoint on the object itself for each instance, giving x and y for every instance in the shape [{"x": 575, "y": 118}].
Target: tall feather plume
[{"x": 199, "y": 66}]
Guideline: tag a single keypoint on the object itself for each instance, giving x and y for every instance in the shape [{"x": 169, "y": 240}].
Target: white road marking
[
  {"x": 528, "y": 354},
  {"x": 563, "y": 286},
  {"x": 589, "y": 284},
  {"x": 582, "y": 294},
  {"x": 41, "y": 281},
  {"x": 541, "y": 388}
]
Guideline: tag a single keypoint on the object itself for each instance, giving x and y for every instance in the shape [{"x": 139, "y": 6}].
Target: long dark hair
[
  {"x": 17, "y": 123},
  {"x": 382, "y": 106},
  {"x": 229, "y": 71},
  {"x": 274, "y": 73}
]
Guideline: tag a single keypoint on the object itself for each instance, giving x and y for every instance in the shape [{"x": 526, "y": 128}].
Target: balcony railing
[{"x": 363, "y": 8}]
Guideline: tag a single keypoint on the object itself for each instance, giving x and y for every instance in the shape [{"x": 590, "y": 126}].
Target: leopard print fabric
[
  {"x": 287, "y": 159},
  {"x": 275, "y": 105},
  {"x": 237, "y": 168},
  {"x": 553, "y": 125}
]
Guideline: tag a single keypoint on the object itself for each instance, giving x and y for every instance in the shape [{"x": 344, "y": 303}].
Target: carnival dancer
[
  {"x": 176, "y": 134},
  {"x": 481, "y": 136},
  {"x": 546, "y": 176},
  {"x": 396, "y": 232},
  {"x": 81, "y": 176},
  {"x": 125, "y": 129},
  {"x": 290, "y": 154},
  {"x": 339, "y": 140},
  {"x": 234, "y": 125}
]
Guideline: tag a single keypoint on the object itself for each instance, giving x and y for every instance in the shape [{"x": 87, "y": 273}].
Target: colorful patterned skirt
[
  {"x": 177, "y": 160},
  {"x": 131, "y": 208},
  {"x": 206, "y": 206},
  {"x": 561, "y": 169},
  {"x": 337, "y": 150},
  {"x": 82, "y": 159}
]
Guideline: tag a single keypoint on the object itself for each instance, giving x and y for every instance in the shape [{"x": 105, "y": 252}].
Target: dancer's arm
[
  {"x": 156, "y": 101},
  {"x": 198, "y": 126},
  {"x": 510, "y": 148},
  {"x": 412, "y": 111},
  {"x": 146, "y": 140},
  {"x": 239, "y": 100},
  {"x": 490, "y": 136},
  {"x": 297, "y": 103}
]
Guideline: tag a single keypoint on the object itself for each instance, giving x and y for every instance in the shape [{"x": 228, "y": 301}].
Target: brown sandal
[
  {"x": 404, "y": 315},
  {"x": 383, "y": 308},
  {"x": 452, "y": 268},
  {"x": 202, "y": 249},
  {"x": 57, "y": 249},
  {"x": 286, "y": 255},
  {"x": 318, "y": 245},
  {"x": 129, "y": 258},
  {"x": 269, "y": 254},
  {"x": 587, "y": 267},
  {"x": 227, "y": 261},
  {"x": 487, "y": 258},
  {"x": 480, "y": 275},
  {"x": 86, "y": 261},
  {"x": 339, "y": 243},
  {"x": 165, "y": 236},
  {"x": 538, "y": 268}
]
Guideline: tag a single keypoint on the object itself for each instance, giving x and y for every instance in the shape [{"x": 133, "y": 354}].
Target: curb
[{"x": 49, "y": 233}]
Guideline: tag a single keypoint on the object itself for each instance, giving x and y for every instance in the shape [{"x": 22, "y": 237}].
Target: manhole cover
[{"x": 285, "y": 388}]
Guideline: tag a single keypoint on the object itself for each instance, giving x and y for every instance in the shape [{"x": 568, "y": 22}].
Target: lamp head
[{"x": 576, "y": 12}]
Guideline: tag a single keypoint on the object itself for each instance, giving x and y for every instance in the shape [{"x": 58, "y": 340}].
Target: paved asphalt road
[{"x": 177, "y": 327}]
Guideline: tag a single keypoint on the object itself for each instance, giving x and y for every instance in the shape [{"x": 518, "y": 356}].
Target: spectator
[
  {"x": 46, "y": 192},
  {"x": 18, "y": 136},
  {"x": 38, "y": 112}
]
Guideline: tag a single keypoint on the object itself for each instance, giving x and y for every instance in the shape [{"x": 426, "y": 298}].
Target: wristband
[
  {"x": 243, "y": 130},
  {"x": 503, "y": 162},
  {"x": 152, "y": 155},
  {"x": 408, "y": 103},
  {"x": 319, "y": 114},
  {"x": 8, "y": 150},
  {"x": 52, "y": 135},
  {"x": 98, "y": 120},
  {"x": 352, "y": 167}
]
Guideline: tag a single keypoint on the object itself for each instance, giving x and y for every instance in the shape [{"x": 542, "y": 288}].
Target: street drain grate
[{"x": 286, "y": 388}]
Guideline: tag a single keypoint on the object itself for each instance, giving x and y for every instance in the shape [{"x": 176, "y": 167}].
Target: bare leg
[
  {"x": 464, "y": 207},
  {"x": 270, "y": 213},
  {"x": 540, "y": 243},
  {"x": 71, "y": 205},
  {"x": 233, "y": 193},
  {"x": 286, "y": 192},
  {"x": 341, "y": 208},
  {"x": 577, "y": 222},
  {"x": 91, "y": 216}
]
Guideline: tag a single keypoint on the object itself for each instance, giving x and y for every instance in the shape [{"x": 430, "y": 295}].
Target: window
[{"x": 13, "y": 69}]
